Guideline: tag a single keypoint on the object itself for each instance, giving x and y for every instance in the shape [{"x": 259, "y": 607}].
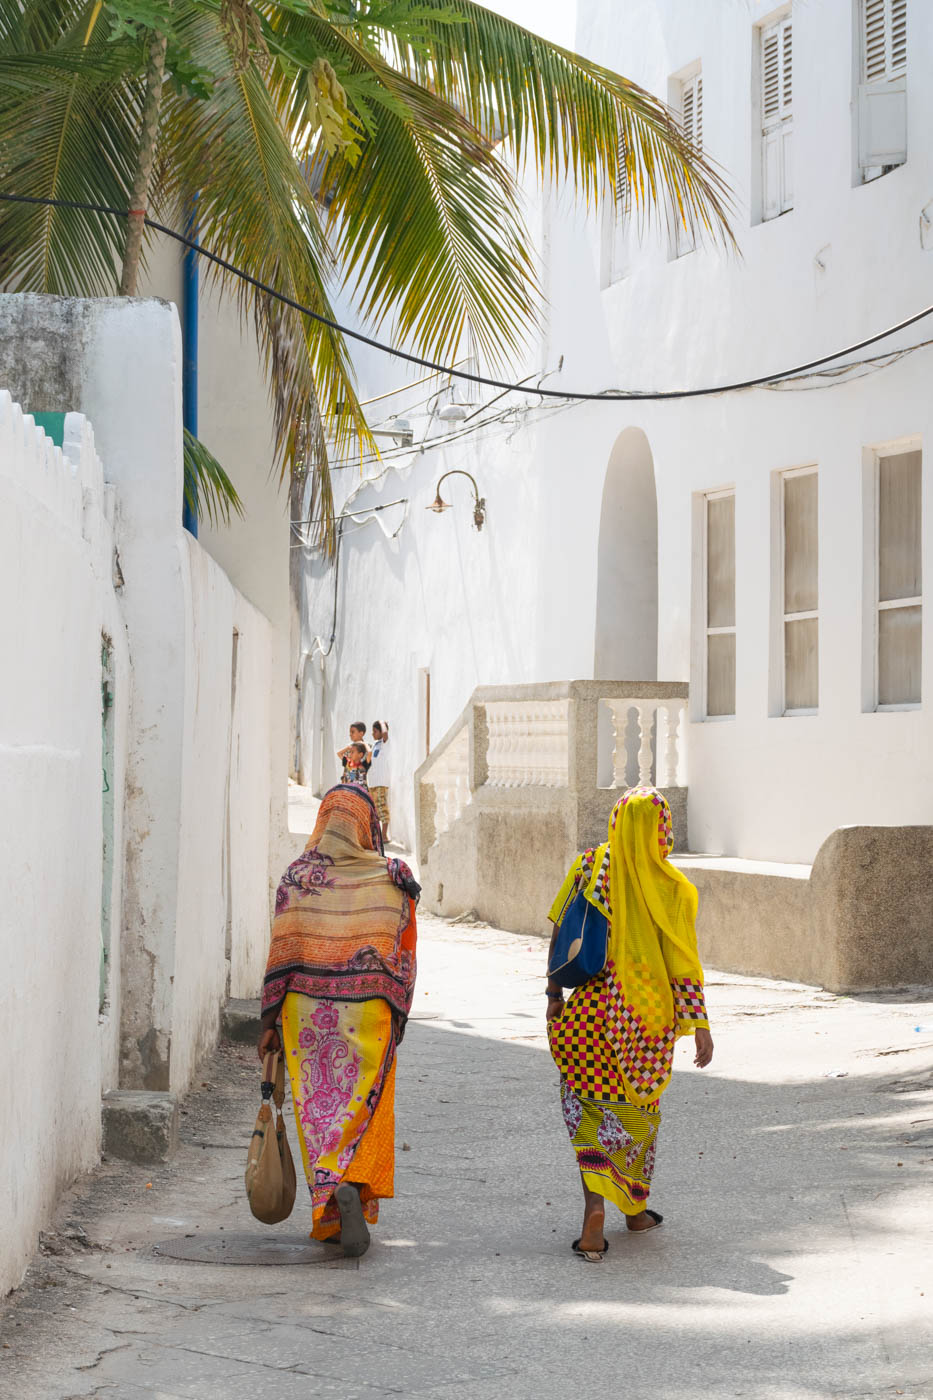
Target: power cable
[{"x": 605, "y": 396}]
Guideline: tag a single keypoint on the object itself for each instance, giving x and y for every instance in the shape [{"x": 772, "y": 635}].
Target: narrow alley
[{"x": 794, "y": 1260}]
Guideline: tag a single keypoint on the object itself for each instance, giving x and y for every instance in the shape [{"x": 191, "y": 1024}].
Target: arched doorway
[{"x": 627, "y": 580}]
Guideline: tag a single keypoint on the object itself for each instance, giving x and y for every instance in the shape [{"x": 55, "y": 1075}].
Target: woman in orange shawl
[
  {"x": 340, "y": 979},
  {"x": 613, "y": 1041}
]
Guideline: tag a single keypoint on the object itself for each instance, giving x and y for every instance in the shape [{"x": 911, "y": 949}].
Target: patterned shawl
[
  {"x": 344, "y": 926},
  {"x": 653, "y": 974}
]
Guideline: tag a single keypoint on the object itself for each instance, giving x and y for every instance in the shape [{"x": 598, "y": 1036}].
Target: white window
[
  {"x": 719, "y": 588},
  {"x": 799, "y": 583},
  {"x": 689, "y": 92},
  {"x": 897, "y": 481},
  {"x": 777, "y": 123},
  {"x": 882, "y": 93}
]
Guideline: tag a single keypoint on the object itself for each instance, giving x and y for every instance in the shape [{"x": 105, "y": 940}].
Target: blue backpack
[{"x": 582, "y": 943}]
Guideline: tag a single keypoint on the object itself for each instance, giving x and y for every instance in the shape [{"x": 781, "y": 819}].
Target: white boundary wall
[
  {"x": 56, "y": 554},
  {"x": 191, "y": 725}
]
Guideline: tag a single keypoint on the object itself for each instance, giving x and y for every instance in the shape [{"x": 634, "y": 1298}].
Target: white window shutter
[
  {"x": 777, "y": 89},
  {"x": 899, "y": 36},
  {"x": 770, "y": 73},
  {"x": 884, "y": 40},
  {"x": 622, "y": 180},
  {"x": 771, "y": 168},
  {"x": 787, "y": 161},
  {"x": 882, "y": 124}
]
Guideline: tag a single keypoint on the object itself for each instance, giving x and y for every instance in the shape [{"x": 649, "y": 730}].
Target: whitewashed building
[{"x": 765, "y": 547}]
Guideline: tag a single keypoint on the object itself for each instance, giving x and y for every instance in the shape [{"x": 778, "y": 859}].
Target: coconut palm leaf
[
  {"x": 564, "y": 111},
  {"x": 208, "y": 489},
  {"x": 67, "y": 131},
  {"x": 256, "y": 210},
  {"x": 424, "y": 218},
  {"x": 558, "y": 108},
  {"x": 387, "y": 117}
]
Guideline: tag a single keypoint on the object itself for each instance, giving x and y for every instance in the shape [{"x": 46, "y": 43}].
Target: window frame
[
  {"x": 887, "y": 87},
  {"x": 783, "y": 123},
  {"x": 701, "y": 630},
  {"x": 779, "y": 614},
  {"x": 873, "y": 605}
]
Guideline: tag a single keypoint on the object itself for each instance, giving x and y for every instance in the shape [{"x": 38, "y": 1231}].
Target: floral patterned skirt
[
  {"x": 613, "y": 1138},
  {"x": 341, "y": 1061}
]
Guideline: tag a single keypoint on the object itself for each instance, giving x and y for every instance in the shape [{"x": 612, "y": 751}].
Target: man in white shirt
[{"x": 378, "y": 775}]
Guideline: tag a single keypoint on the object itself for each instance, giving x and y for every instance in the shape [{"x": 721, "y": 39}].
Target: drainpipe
[{"x": 189, "y": 365}]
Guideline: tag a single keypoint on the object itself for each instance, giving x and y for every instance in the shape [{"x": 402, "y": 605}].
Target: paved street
[{"x": 794, "y": 1262}]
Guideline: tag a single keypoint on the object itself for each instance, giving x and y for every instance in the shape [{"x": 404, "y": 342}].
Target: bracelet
[{"x": 555, "y": 996}]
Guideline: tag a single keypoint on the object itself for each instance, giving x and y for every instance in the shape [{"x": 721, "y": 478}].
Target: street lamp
[{"x": 479, "y": 502}]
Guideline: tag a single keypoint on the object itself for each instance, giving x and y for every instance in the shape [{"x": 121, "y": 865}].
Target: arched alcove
[{"x": 627, "y": 581}]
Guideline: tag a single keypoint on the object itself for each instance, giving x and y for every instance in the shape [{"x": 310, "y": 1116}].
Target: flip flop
[
  {"x": 354, "y": 1232},
  {"x": 655, "y": 1216},
  {"x": 592, "y": 1256}
]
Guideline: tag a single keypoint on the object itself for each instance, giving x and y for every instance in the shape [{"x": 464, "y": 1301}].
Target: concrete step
[{"x": 240, "y": 1020}]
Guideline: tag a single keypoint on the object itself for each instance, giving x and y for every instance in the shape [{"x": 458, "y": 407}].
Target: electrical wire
[{"x": 604, "y": 396}]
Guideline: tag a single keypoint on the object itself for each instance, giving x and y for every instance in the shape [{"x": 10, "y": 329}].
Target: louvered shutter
[
  {"x": 622, "y": 181},
  {"x": 777, "y": 86},
  {"x": 691, "y": 119},
  {"x": 883, "y": 90},
  {"x": 692, "y": 110}
]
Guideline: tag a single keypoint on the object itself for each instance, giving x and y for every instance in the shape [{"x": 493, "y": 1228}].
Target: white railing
[
  {"x": 574, "y": 739},
  {"x": 655, "y": 756},
  {"x": 450, "y": 778},
  {"x": 529, "y": 743}
]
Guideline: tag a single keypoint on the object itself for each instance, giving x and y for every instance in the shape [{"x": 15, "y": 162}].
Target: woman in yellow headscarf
[{"x": 613, "y": 1040}]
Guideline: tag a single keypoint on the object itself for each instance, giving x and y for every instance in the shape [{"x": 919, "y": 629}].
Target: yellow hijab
[{"x": 653, "y": 967}]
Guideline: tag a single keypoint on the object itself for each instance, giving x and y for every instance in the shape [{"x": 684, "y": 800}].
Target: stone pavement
[{"x": 795, "y": 1261}]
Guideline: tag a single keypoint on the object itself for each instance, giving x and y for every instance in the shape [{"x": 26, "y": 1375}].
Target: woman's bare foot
[
  {"x": 594, "y": 1220},
  {"x": 354, "y": 1233},
  {"x": 644, "y": 1220}
]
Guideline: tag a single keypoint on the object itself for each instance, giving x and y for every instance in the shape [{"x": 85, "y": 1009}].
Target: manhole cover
[{"x": 246, "y": 1248}]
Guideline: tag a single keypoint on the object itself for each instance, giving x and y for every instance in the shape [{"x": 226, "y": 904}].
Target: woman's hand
[
  {"x": 555, "y": 1007},
  {"x": 704, "y": 1048},
  {"x": 269, "y": 1043}
]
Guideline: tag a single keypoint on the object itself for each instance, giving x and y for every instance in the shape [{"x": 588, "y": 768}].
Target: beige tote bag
[{"x": 270, "y": 1171}]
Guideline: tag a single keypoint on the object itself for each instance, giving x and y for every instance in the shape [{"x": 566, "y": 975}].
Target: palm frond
[
  {"x": 208, "y": 489},
  {"x": 255, "y": 209},
  {"x": 564, "y": 112},
  {"x": 68, "y": 121},
  {"x": 424, "y": 218}
]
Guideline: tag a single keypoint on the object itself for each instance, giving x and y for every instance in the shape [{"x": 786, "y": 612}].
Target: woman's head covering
[
  {"x": 344, "y": 924},
  {"x": 653, "y": 973}
]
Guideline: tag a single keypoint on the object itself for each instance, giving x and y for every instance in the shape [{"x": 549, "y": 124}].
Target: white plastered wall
[
  {"x": 55, "y": 580},
  {"x": 518, "y": 601},
  {"x": 190, "y": 767}
]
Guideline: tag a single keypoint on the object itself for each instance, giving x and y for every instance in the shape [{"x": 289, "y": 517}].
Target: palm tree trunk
[{"x": 148, "y": 138}]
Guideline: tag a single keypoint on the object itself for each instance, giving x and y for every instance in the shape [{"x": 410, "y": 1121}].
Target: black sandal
[
  {"x": 592, "y": 1256},
  {"x": 655, "y": 1216}
]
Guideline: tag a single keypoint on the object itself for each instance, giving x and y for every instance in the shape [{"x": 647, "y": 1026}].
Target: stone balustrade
[
  {"x": 528, "y": 743},
  {"x": 449, "y": 777},
  {"x": 527, "y": 776},
  {"x": 647, "y": 745}
]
